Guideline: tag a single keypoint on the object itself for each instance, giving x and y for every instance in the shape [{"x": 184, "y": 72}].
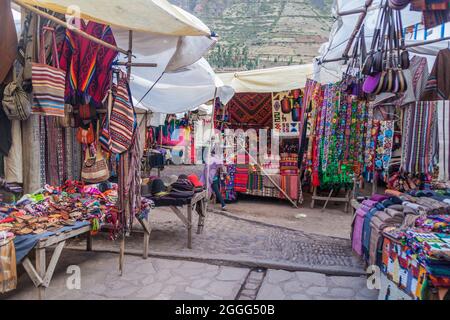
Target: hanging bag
[
  {"x": 122, "y": 120},
  {"x": 16, "y": 102},
  {"x": 95, "y": 169},
  {"x": 48, "y": 81},
  {"x": 85, "y": 133}
]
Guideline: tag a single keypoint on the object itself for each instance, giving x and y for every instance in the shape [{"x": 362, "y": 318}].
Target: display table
[
  {"x": 197, "y": 203},
  {"x": 40, "y": 273}
]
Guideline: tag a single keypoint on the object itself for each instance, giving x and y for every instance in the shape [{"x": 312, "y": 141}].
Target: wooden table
[
  {"x": 198, "y": 202},
  {"x": 40, "y": 273}
]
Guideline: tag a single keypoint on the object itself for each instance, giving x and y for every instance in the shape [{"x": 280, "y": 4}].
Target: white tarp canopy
[
  {"x": 182, "y": 90},
  {"x": 268, "y": 80},
  {"x": 344, "y": 26},
  {"x": 154, "y": 16},
  {"x": 179, "y": 58}
]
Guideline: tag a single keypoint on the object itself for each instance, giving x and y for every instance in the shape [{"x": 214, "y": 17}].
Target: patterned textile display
[
  {"x": 339, "y": 138},
  {"x": 419, "y": 143},
  {"x": 255, "y": 181},
  {"x": 227, "y": 189},
  {"x": 438, "y": 84},
  {"x": 435, "y": 12},
  {"x": 250, "y": 110},
  {"x": 290, "y": 185},
  {"x": 241, "y": 178},
  {"x": 87, "y": 64},
  {"x": 123, "y": 118},
  {"x": 48, "y": 81},
  {"x": 444, "y": 140},
  {"x": 288, "y": 123}
]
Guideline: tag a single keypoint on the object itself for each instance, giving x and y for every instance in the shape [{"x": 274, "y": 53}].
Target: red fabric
[
  {"x": 195, "y": 181},
  {"x": 250, "y": 110},
  {"x": 87, "y": 64}
]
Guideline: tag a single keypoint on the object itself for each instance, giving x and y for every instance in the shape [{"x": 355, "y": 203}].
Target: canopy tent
[
  {"x": 177, "y": 61},
  {"x": 153, "y": 16},
  {"x": 345, "y": 24},
  {"x": 268, "y": 80},
  {"x": 182, "y": 90}
]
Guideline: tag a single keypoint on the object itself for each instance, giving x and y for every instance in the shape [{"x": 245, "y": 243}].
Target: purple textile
[{"x": 378, "y": 197}]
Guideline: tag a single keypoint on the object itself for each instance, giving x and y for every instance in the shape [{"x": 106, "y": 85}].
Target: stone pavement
[
  {"x": 283, "y": 285},
  {"x": 160, "y": 279},
  {"x": 231, "y": 239}
]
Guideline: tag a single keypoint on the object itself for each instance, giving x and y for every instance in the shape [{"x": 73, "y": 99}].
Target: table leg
[
  {"x": 201, "y": 216},
  {"x": 40, "y": 269},
  {"x": 189, "y": 226},
  {"x": 146, "y": 238},
  {"x": 88, "y": 242}
]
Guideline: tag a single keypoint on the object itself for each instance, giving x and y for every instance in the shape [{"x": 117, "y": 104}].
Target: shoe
[{"x": 224, "y": 208}]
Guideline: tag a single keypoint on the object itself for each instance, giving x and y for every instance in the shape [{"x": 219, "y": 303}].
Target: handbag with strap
[
  {"x": 122, "y": 119},
  {"x": 95, "y": 169},
  {"x": 48, "y": 81},
  {"x": 16, "y": 102}
]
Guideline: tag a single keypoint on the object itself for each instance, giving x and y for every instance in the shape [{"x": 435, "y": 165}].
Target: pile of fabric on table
[
  {"x": 52, "y": 208},
  {"x": 408, "y": 236},
  {"x": 173, "y": 190}
]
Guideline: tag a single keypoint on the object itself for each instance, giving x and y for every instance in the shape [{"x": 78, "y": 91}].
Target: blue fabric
[
  {"x": 24, "y": 244},
  {"x": 367, "y": 230}
]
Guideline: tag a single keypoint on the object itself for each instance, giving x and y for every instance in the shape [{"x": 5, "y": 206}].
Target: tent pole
[
  {"x": 67, "y": 26},
  {"x": 209, "y": 148},
  {"x": 126, "y": 200}
]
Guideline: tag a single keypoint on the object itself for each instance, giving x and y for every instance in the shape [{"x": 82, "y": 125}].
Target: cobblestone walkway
[{"x": 229, "y": 238}]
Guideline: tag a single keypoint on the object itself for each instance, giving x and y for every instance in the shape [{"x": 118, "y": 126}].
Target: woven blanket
[
  {"x": 241, "y": 179},
  {"x": 420, "y": 138},
  {"x": 251, "y": 110}
]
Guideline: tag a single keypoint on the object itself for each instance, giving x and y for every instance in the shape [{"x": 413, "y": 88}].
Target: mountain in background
[{"x": 263, "y": 33}]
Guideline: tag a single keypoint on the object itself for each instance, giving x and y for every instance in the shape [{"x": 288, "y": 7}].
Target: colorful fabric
[
  {"x": 444, "y": 140},
  {"x": 290, "y": 185},
  {"x": 250, "y": 110},
  {"x": 419, "y": 145},
  {"x": 87, "y": 64},
  {"x": 438, "y": 84},
  {"x": 241, "y": 178},
  {"x": 435, "y": 12},
  {"x": 123, "y": 118}
]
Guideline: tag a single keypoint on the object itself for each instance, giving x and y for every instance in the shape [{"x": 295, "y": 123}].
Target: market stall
[
  {"x": 68, "y": 97},
  {"x": 391, "y": 72},
  {"x": 272, "y": 100}
]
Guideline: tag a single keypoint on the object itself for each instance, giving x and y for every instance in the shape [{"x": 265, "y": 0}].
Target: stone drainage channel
[{"x": 252, "y": 284}]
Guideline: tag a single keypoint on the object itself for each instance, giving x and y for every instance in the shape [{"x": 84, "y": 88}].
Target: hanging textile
[
  {"x": 444, "y": 140},
  {"x": 250, "y": 110},
  {"x": 438, "y": 84},
  {"x": 435, "y": 12},
  {"x": 8, "y": 43},
  {"x": 419, "y": 138},
  {"x": 241, "y": 178},
  {"x": 87, "y": 64},
  {"x": 8, "y": 270}
]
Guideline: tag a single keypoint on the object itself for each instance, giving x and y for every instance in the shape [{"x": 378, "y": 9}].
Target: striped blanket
[{"x": 419, "y": 153}]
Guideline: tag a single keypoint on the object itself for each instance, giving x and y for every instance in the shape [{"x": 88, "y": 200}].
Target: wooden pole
[
  {"x": 67, "y": 26},
  {"x": 209, "y": 149},
  {"x": 126, "y": 200}
]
